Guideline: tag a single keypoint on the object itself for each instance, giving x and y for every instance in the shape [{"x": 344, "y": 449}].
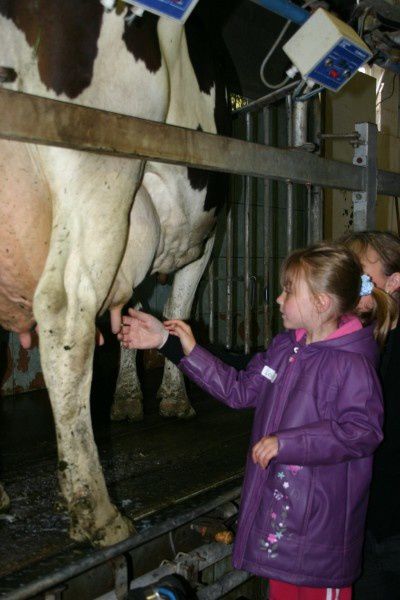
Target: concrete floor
[{"x": 148, "y": 465}]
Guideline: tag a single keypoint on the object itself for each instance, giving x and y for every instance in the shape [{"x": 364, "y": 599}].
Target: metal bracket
[
  {"x": 353, "y": 138},
  {"x": 56, "y": 593},
  {"x": 365, "y": 155},
  {"x": 121, "y": 580}
]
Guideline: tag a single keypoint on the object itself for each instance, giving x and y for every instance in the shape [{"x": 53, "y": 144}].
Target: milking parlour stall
[{"x": 165, "y": 155}]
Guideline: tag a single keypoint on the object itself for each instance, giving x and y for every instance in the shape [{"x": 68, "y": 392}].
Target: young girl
[
  {"x": 318, "y": 416},
  {"x": 379, "y": 253}
]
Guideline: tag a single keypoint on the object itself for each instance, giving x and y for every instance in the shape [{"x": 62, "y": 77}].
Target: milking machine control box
[
  {"x": 175, "y": 9},
  {"x": 327, "y": 50}
]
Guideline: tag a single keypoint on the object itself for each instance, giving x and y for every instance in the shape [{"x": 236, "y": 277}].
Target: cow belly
[
  {"x": 25, "y": 225},
  {"x": 184, "y": 224}
]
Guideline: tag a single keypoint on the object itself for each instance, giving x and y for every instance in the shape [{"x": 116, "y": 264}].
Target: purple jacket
[{"x": 302, "y": 519}]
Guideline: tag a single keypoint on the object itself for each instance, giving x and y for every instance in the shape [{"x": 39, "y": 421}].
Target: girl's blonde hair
[
  {"x": 387, "y": 246},
  {"x": 327, "y": 268},
  {"x": 335, "y": 269}
]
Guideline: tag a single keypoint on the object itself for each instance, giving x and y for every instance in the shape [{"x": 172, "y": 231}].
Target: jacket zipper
[{"x": 284, "y": 387}]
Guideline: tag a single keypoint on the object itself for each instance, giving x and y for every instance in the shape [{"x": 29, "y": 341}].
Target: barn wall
[
  {"x": 355, "y": 103},
  {"x": 373, "y": 98}
]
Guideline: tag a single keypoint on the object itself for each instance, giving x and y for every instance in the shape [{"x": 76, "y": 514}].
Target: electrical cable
[
  {"x": 391, "y": 93},
  {"x": 310, "y": 94},
  {"x": 298, "y": 89},
  {"x": 277, "y": 86},
  {"x": 362, "y": 21}
]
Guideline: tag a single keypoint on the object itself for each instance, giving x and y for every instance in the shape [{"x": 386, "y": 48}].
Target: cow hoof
[
  {"x": 4, "y": 500},
  {"x": 173, "y": 408},
  {"x": 117, "y": 529},
  {"x": 127, "y": 409}
]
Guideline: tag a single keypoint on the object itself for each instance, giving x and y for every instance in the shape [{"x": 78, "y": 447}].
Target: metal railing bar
[
  {"x": 267, "y": 99},
  {"x": 12, "y": 589},
  {"x": 33, "y": 119}
]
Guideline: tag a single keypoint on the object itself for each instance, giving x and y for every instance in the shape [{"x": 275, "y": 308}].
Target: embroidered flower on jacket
[
  {"x": 280, "y": 509},
  {"x": 294, "y": 469}
]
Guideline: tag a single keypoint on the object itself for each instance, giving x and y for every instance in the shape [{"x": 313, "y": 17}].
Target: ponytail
[{"x": 384, "y": 314}]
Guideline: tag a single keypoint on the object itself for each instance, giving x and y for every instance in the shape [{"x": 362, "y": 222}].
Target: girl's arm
[
  {"x": 355, "y": 430},
  {"x": 238, "y": 389}
]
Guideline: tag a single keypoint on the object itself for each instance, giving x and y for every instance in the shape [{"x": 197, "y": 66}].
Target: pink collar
[{"x": 347, "y": 324}]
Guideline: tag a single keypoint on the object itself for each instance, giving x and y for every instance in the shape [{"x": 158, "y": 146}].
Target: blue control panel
[
  {"x": 339, "y": 65},
  {"x": 176, "y": 9}
]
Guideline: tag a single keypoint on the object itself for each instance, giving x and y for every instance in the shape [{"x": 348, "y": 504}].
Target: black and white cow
[{"x": 78, "y": 231}]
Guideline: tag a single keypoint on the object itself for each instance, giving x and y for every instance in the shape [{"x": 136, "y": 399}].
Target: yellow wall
[
  {"x": 355, "y": 103},
  {"x": 373, "y": 98}
]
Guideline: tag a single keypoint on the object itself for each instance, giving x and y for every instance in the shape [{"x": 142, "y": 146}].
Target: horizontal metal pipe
[
  {"x": 28, "y": 118},
  {"x": 11, "y": 589},
  {"x": 340, "y": 136},
  {"x": 224, "y": 585},
  {"x": 388, "y": 183},
  {"x": 285, "y": 9},
  {"x": 202, "y": 558},
  {"x": 267, "y": 99}
]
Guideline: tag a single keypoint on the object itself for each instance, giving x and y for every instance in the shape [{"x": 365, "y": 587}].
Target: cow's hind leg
[
  {"x": 172, "y": 393},
  {"x": 86, "y": 248},
  {"x": 128, "y": 397}
]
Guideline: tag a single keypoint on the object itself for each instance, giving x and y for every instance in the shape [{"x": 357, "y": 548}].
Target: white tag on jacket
[{"x": 269, "y": 373}]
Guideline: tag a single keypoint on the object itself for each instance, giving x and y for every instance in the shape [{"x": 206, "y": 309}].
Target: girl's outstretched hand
[
  {"x": 183, "y": 331},
  {"x": 142, "y": 331},
  {"x": 266, "y": 449}
]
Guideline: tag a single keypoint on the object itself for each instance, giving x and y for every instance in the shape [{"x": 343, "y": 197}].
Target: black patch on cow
[
  {"x": 141, "y": 40},
  {"x": 217, "y": 191},
  {"x": 200, "y": 54},
  {"x": 198, "y": 177},
  {"x": 206, "y": 53},
  {"x": 63, "y": 35}
]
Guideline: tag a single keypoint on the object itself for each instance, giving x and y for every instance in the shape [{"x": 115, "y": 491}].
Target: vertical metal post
[
  {"x": 247, "y": 225},
  {"x": 229, "y": 275},
  {"x": 365, "y": 155},
  {"x": 300, "y": 121},
  {"x": 211, "y": 297},
  {"x": 289, "y": 184},
  {"x": 317, "y": 194},
  {"x": 300, "y": 126},
  {"x": 267, "y": 236},
  {"x": 309, "y": 214}
]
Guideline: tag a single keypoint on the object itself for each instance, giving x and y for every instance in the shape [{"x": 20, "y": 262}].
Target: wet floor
[{"x": 148, "y": 465}]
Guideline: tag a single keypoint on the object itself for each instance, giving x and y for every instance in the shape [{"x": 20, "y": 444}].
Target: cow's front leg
[
  {"x": 128, "y": 397},
  {"x": 4, "y": 500},
  {"x": 172, "y": 393}
]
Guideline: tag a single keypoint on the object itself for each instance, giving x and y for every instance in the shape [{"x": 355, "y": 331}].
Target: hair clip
[{"x": 367, "y": 285}]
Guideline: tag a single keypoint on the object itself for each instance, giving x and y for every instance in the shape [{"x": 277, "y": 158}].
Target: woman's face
[{"x": 372, "y": 266}]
